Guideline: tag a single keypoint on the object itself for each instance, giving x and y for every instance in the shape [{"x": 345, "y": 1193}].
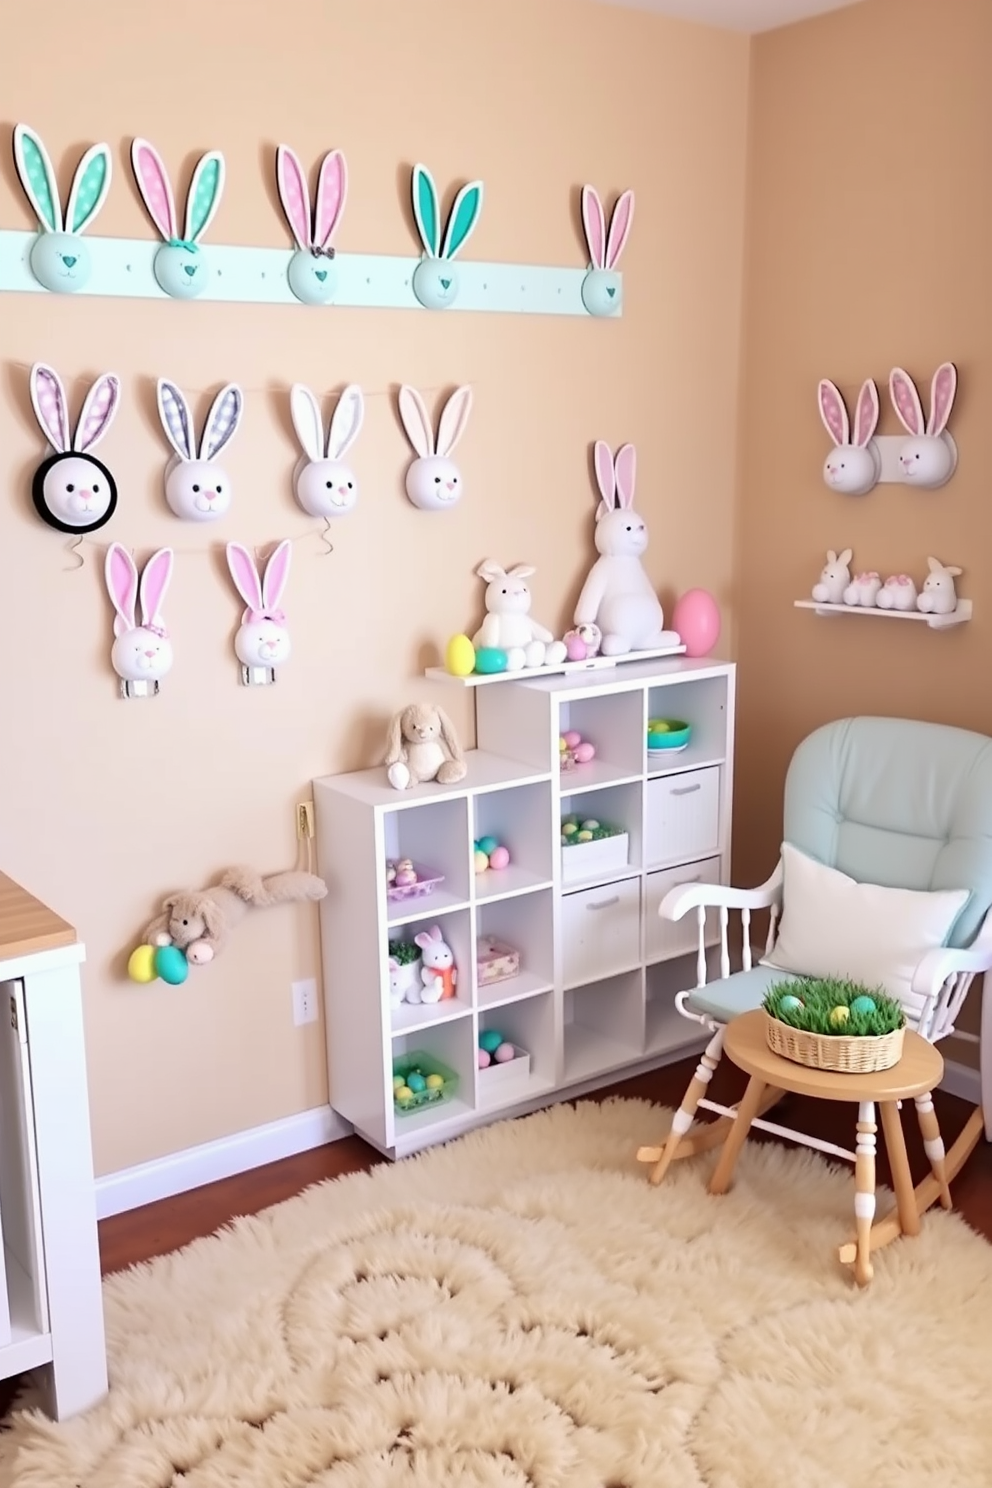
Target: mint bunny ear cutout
[
  {"x": 90, "y": 186},
  {"x": 425, "y": 209},
  {"x": 37, "y": 177},
  {"x": 464, "y": 217},
  {"x": 205, "y": 192}
]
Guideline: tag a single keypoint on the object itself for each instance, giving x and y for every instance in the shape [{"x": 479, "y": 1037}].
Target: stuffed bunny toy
[
  {"x": 835, "y": 576},
  {"x": 312, "y": 274},
  {"x": 435, "y": 279},
  {"x": 602, "y": 287},
  {"x": 853, "y": 466},
  {"x": 196, "y": 487},
  {"x": 938, "y": 595},
  {"x": 897, "y": 593},
  {"x": 72, "y": 490},
  {"x": 438, "y": 972},
  {"x": 59, "y": 258},
  {"x": 180, "y": 264},
  {"x": 433, "y": 481},
  {"x": 325, "y": 485},
  {"x": 508, "y": 625},
  {"x": 142, "y": 654},
  {"x": 396, "y": 984},
  {"x": 263, "y": 640},
  {"x": 863, "y": 590},
  {"x": 617, "y": 595},
  {"x": 930, "y": 456},
  {"x": 422, "y": 745}
]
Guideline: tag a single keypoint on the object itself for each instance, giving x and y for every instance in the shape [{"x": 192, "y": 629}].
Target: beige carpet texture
[{"x": 522, "y": 1309}]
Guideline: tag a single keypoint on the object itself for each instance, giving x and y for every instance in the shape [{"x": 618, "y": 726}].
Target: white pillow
[{"x": 833, "y": 926}]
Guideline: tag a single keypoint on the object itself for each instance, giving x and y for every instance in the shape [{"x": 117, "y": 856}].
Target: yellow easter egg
[
  {"x": 839, "y": 1016},
  {"x": 459, "y": 658},
  {"x": 434, "y": 1082},
  {"x": 141, "y": 964},
  {"x": 404, "y": 1095}
]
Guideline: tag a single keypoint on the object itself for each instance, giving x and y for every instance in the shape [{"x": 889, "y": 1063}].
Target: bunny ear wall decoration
[
  {"x": 854, "y": 465},
  {"x": 325, "y": 485},
  {"x": 433, "y": 480},
  {"x": 180, "y": 264},
  {"x": 602, "y": 288},
  {"x": 435, "y": 279},
  {"x": 196, "y": 487},
  {"x": 59, "y": 259},
  {"x": 929, "y": 457},
  {"x": 142, "y": 653},
  {"x": 72, "y": 490},
  {"x": 262, "y": 642},
  {"x": 312, "y": 273}
]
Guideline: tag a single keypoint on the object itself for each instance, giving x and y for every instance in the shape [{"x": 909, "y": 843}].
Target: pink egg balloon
[
  {"x": 505, "y": 1053},
  {"x": 696, "y": 617},
  {"x": 576, "y": 648},
  {"x": 584, "y": 753},
  {"x": 483, "y": 1059},
  {"x": 499, "y": 858}
]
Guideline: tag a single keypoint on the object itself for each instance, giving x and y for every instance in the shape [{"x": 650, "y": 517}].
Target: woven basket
[{"x": 826, "y": 1051}]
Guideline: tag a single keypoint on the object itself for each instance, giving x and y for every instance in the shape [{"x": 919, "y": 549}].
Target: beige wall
[
  {"x": 105, "y": 806},
  {"x": 869, "y": 244}
]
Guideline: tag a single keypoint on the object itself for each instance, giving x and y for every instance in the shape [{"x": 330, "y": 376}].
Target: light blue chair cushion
[
  {"x": 896, "y": 802},
  {"x": 733, "y": 995}
]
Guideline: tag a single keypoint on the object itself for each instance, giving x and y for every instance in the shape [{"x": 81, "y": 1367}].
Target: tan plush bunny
[{"x": 422, "y": 745}]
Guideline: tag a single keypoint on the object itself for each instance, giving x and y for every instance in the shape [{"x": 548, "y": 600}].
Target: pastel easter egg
[
  {"x": 499, "y": 858},
  {"x": 398, "y": 1082},
  {"x": 487, "y": 844},
  {"x": 141, "y": 964},
  {"x": 569, "y": 828},
  {"x": 696, "y": 617},
  {"x": 489, "y": 660},
  {"x": 790, "y": 1004},
  {"x": 839, "y": 1016},
  {"x": 576, "y": 648},
  {"x": 481, "y": 860},
  {"x": 863, "y": 1004},
  {"x": 459, "y": 657},
  {"x": 405, "y": 877},
  {"x": 592, "y": 825},
  {"x": 416, "y": 1082},
  {"x": 572, "y": 739},
  {"x": 171, "y": 965},
  {"x": 404, "y": 1095},
  {"x": 490, "y": 1040},
  {"x": 584, "y": 836},
  {"x": 504, "y": 1054},
  {"x": 584, "y": 752},
  {"x": 562, "y": 746},
  {"x": 435, "y": 1082},
  {"x": 483, "y": 1058}
]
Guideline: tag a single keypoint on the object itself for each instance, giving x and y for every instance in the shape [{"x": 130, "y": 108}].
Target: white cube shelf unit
[{"x": 593, "y": 999}]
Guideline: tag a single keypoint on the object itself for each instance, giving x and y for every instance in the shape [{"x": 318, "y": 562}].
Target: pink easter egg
[
  {"x": 499, "y": 857},
  {"x": 572, "y": 739},
  {"x": 584, "y": 752},
  {"x": 483, "y": 1058},
  {"x": 696, "y": 617},
  {"x": 505, "y": 1053},
  {"x": 576, "y": 648},
  {"x": 404, "y": 877}
]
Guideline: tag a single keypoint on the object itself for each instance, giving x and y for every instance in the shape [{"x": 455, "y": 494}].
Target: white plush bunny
[
  {"x": 897, "y": 593},
  {"x": 834, "y": 578},
  {"x": 438, "y": 973},
  {"x": 325, "y": 485},
  {"x": 59, "y": 258},
  {"x": 180, "y": 265},
  {"x": 396, "y": 983},
  {"x": 863, "y": 590},
  {"x": 142, "y": 654},
  {"x": 617, "y": 595},
  {"x": 312, "y": 273},
  {"x": 939, "y": 596},
  {"x": 929, "y": 457},
  {"x": 853, "y": 466},
  {"x": 508, "y": 625},
  {"x": 196, "y": 487},
  {"x": 433, "y": 481},
  {"x": 72, "y": 490},
  {"x": 263, "y": 640}
]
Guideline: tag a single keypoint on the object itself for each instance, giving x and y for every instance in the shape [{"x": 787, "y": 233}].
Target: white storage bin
[
  {"x": 585, "y": 860},
  {"x": 682, "y": 817},
  {"x": 601, "y": 931},
  {"x": 665, "y": 939},
  {"x": 499, "y": 1082}
]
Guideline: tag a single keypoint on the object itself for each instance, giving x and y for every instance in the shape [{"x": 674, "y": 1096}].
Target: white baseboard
[
  {"x": 180, "y": 1171},
  {"x": 962, "y": 1080}
]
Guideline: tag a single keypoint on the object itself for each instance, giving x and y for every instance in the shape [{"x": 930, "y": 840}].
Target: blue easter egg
[
  {"x": 789, "y": 1004},
  {"x": 490, "y": 1040},
  {"x": 487, "y": 845},
  {"x": 171, "y": 964},
  {"x": 416, "y": 1082},
  {"x": 863, "y": 1004},
  {"x": 490, "y": 659}
]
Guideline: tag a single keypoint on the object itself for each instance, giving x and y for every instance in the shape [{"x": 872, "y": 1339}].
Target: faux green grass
[{"x": 820, "y": 995}]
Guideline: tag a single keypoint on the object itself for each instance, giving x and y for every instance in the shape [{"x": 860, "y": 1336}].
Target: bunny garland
[
  {"x": 929, "y": 457},
  {"x": 435, "y": 279},
  {"x": 142, "y": 654},
  {"x": 854, "y": 465},
  {"x": 433, "y": 481},
  {"x": 72, "y": 490},
  {"x": 325, "y": 486},
  {"x": 312, "y": 274},
  {"x": 180, "y": 266},
  {"x": 59, "y": 259},
  {"x": 602, "y": 288},
  {"x": 262, "y": 642},
  {"x": 196, "y": 487}
]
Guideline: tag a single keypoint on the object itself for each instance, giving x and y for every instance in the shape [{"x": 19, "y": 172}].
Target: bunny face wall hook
[
  {"x": 180, "y": 265},
  {"x": 72, "y": 490},
  {"x": 312, "y": 273},
  {"x": 602, "y": 288},
  {"x": 435, "y": 279},
  {"x": 930, "y": 456},
  {"x": 196, "y": 487},
  {"x": 262, "y": 642},
  {"x": 433, "y": 481},
  {"x": 325, "y": 486},
  {"x": 59, "y": 258},
  {"x": 142, "y": 654},
  {"x": 854, "y": 465}
]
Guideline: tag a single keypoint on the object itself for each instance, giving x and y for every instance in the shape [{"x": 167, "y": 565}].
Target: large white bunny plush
[
  {"x": 929, "y": 457},
  {"x": 508, "y": 625},
  {"x": 325, "y": 485},
  {"x": 263, "y": 640},
  {"x": 854, "y": 465},
  {"x": 142, "y": 654},
  {"x": 938, "y": 595},
  {"x": 196, "y": 487},
  {"x": 835, "y": 576},
  {"x": 433, "y": 481},
  {"x": 617, "y": 595}
]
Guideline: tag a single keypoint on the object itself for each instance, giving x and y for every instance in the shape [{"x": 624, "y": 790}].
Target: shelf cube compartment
[
  {"x": 703, "y": 704},
  {"x": 434, "y": 837},
  {"x": 603, "y": 1026},
  {"x": 529, "y": 1027},
  {"x": 455, "y": 928},
  {"x": 615, "y": 727},
  {"x": 665, "y": 1029},
  {"x": 525, "y": 925},
  {"x": 682, "y": 816},
  {"x": 452, "y": 1047},
  {"x": 600, "y": 931},
  {"x": 519, "y": 819},
  {"x": 602, "y": 858}
]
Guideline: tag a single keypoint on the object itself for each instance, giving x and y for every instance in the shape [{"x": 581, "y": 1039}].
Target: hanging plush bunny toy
[
  {"x": 435, "y": 279},
  {"x": 602, "y": 288},
  {"x": 180, "y": 265},
  {"x": 72, "y": 490},
  {"x": 325, "y": 486},
  {"x": 262, "y": 643},
  {"x": 312, "y": 274},
  {"x": 142, "y": 654},
  {"x": 59, "y": 258},
  {"x": 196, "y": 487}
]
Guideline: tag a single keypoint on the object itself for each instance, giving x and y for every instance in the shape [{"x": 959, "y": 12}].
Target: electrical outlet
[
  {"x": 304, "y": 819},
  {"x": 305, "y": 1001}
]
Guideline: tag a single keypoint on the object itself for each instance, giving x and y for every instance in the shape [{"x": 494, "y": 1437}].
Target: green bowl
[{"x": 668, "y": 733}]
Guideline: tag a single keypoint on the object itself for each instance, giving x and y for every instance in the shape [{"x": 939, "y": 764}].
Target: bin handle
[
  {"x": 687, "y": 790},
  {"x": 604, "y": 903}
]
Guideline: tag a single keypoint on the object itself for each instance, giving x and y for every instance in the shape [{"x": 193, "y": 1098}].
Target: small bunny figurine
[
  {"x": 262, "y": 643},
  {"x": 435, "y": 279},
  {"x": 325, "y": 485},
  {"x": 438, "y": 972},
  {"x": 59, "y": 258},
  {"x": 834, "y": 578},
  {"x": 602, "y": 288},
  {"x": 897, "y": 593},
  {"x": 939, "y": 596},
  {"x": 197, "y": 488},
  {"x": 312, "y": 273},
  {"x": 853, "y": 466},
  {"x": 508, "y": 625},
  {"x": 72, "y": 490},
  {"x": 395, "y": 983},
  {"x": 617, "y": 595},
  {"x": 180, "y": 264},
  {"x": 863, "y": 590},
  {"x": 433, "y": 481},
  {"x": 142, "y": 654},
  {"x": 930, "y": 456}
]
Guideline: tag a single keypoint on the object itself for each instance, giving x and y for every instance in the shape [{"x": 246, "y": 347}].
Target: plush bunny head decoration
[
  {"x": 930, "y": 456},
  {"x": 59, "y": 258},
  {"x": 180, "y": 264},
  {"x": 620, "y": 532},
  {"x": 141, "y": 653},
  {"x": 263, "y": 640},
  {"x": 854, "y": 465},
  {"x": 312, "y": 273},
  {"x": 196, "y": 487},
  {"x": 72, "y": 490},
  {"x": 435, "y": 279},
  {"x": 602, "y": 288},
  {"x": 325, "y": 485},
  {"x": 433, "y": 481}
]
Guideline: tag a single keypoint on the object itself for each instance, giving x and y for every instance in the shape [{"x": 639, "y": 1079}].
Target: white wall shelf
[
  {"x": 564, "y": 668},
  {"x": 934, "y": 622}
]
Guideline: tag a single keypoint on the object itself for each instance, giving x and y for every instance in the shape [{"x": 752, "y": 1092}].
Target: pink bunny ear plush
[
  {"x": 602, "y": 288},
  {"x": 142, "y": 653},
  {"x": 433, "y": 481},
  {"x": 262, "y": 642},
  {"x": 929, "y": 457},
  {"x": 72, "y": 490},
  {"x": 312, "y": 273},
  {"x": 196, "y": 487},
  {"x": 854, "y": 465}
]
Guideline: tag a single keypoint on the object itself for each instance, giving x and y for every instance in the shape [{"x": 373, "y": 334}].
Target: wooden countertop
[{"x": 27, "y": 925}]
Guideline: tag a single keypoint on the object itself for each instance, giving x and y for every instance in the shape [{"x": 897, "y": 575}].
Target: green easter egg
[
  {"x": 489, "y": 659},
  {"x": 171, "y": 965},
  {"x": 863, "y": 1004},
  {"x": 790, "y": 1004},
  {"x": 487, "y": 844},
  {"x": 490, "y": 1040}
]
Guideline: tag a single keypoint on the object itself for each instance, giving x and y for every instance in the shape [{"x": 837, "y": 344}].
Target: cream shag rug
[{"x": 522, "y": 1309}]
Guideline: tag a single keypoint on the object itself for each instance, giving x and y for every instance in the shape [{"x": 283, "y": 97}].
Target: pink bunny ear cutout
[
  {"x": 121, "y": 578},
  {"x": 155, "y": 577},
  {"x": 49, "y": 403},
  {"x": 276, "y": 574},
  {"x": 595, "y": 226},
  {"x": 866, "y": 412},
  {"x": 906, "y": 401},
  {"x": 97, "y": 412},
  {"x": 245, "y": 575},
  {"x": 155, "y": 187},
  {"x": 942, "y": 391},
  {"x": 833, "y": 411},
  {"x": 346, "y": 422},
  {"x": 416, "y": 422},
  {"x": 605, "y": 477},
  {"x": 620, "y": 225},
  {"x": 454, "y": 419},
  {"x": 332, "y": 193},
  {"x": 294, "y": 193},
  {"x": 626, "y": 468},
  {"x": 222, "y": 421}
]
